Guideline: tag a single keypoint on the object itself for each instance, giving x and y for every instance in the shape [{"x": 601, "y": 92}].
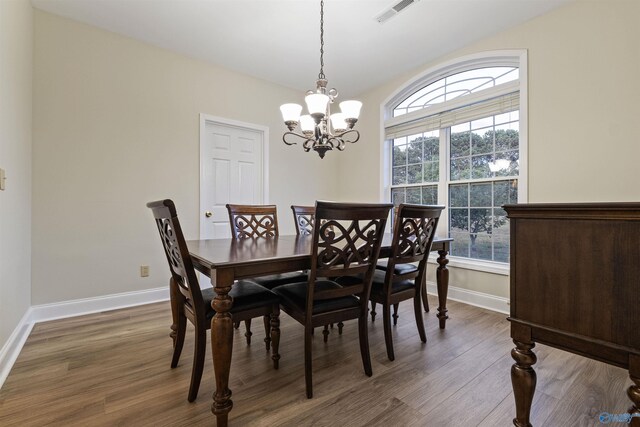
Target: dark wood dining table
[{"x": 227, "y": 260}]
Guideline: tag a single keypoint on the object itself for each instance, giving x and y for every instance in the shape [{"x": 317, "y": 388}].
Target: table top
[{"x": 229, "y": 253}]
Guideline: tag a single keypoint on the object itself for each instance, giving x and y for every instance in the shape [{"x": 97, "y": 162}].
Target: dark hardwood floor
[{"x": 112, "y": 369}]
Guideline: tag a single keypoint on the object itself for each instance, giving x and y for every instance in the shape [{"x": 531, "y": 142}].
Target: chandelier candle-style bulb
[
  {"x": 291, "y": 114},
  {"x": 320, "y": 130}
]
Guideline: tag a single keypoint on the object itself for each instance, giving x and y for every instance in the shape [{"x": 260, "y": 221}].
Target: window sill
[{"x": 500, "y": 268}]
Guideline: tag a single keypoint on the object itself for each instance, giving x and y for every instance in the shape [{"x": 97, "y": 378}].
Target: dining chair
[
  {"x": 189, "y": 301},
  {"x": 304, "y": 218},
  {"x": 254, "y": 222},
  {"x": 398, "y": 269},
  {"x": 346, "y": 242},
  {"x": 413, "y": 232}
]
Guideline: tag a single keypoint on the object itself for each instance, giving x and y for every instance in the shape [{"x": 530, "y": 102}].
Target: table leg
[
  {"x": 442, "y": 279},
  {"x": 222, "y": 347},
  {"x": 523, "y": 377}
]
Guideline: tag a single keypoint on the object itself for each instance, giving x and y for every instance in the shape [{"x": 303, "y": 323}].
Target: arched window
[{"x": 454, "y": 136}]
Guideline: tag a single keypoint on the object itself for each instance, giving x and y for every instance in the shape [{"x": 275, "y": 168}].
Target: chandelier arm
[
  {"x": 336, "y": 142},
  {"x": 352, "y": 136},
  {"x": 306, "y": 140}
]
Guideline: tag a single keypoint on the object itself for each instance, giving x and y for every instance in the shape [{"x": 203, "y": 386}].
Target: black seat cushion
[
  {"x": 398, "y": 268},
  {"x": 377, "y": 284},
  {"x": 246, "y": 295},
  {"x": 274, "y": 280},
  {"x": 295, "y": 295}
]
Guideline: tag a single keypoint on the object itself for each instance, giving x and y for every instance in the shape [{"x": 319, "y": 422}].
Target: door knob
[{"x": 208, "y": 214}]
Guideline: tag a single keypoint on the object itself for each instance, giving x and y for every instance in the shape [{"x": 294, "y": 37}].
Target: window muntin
[
  {"x": 455, "y": 86},
  {"x": 416, "y": 159},
  {"x": 485, "y": 148}
]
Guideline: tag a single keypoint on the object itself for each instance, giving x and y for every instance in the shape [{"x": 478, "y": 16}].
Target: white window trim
[{"x": 515, "y": 57}]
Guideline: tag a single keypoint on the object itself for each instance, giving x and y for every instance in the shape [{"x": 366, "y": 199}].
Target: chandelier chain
[{"x": 321, "y": 76}]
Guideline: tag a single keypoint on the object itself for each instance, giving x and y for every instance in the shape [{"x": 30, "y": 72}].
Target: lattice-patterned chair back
[
  {"x": 253, "y": 221},
  {"x": 414, "y": 230},
  {"x": 304, "y": 217},
  {"x": 175, "y": 248},
  {"x": 346, "y": 242}
]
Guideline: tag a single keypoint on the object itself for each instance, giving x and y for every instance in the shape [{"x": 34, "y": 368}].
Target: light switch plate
[{"x": 2, "y": 179}]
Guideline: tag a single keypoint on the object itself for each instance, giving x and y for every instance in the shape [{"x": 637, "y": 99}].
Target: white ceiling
[{"x": 279, "y": 40}]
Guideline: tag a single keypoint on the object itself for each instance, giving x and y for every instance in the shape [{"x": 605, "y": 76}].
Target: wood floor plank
[{"x": 112, "y": 369}]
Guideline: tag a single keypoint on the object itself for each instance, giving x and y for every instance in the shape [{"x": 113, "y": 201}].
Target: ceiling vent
[{"x": 392, "y": 11}]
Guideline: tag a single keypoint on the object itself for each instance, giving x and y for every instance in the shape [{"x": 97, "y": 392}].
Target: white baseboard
[
  {"x": 80, "y": 307},
  {"x": 478, "y": 299},
  {"x": 60, "y": 310},
  {"x": 11, "y": 349}
]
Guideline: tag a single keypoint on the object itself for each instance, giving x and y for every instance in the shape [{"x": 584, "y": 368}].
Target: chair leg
[
  {"x": 178, "y": 342},
  {"x": 363, "y": 334},
  {"x": 307, "y": 361},
  {"x": 395, "y": 313},
  {"x": 340, "y": 325},
  {"x": 199, "y": 352},
  {"x": 179, "y": 326},
  {"x": 419, "y": 320},
  {"x": 267, "y": 333},
  {"x": 425, "y": 300},
  {"x": 388, "y": 339},
  {"x": 325, "y": 332},
  {"x": 373, "y": 311},
  {"x": 247, "y": 325},
  {"x": 275, "y": 336}
]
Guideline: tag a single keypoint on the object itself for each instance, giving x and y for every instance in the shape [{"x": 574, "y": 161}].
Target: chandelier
[{"x": 321, "y": 130}]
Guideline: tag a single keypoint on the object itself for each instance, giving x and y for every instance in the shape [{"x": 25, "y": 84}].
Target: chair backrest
[
  {"x": 253, "y": 221},
  {"x": 413, "y": 232},
  {"x": 304, "y": 217},
  {"x": 346, "y": 242},
  {"x": 175, "y": 248}
]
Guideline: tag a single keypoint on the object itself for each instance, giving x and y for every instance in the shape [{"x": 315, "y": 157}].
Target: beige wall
[
  {"x": 584, "y": 63},
  {"x": 16, "y": 52},
  {"x": 116, "y": 124}
]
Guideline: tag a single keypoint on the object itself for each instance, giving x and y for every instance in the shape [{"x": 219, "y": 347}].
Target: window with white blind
[{"x": 454, "y": 137}]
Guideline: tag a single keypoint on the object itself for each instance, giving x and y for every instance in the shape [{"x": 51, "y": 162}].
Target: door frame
[{"x": 263, "y": 130}]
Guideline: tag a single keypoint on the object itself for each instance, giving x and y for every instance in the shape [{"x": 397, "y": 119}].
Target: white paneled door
[{"x": 231, "y": 171}]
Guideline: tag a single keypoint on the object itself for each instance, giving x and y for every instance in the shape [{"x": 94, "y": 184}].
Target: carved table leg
[
  {"x": 442, "y": 279},
  {"x": 222, "y": 347},
  {"x": 634, "y": 391},
  {"x": 523, "y": 379}
]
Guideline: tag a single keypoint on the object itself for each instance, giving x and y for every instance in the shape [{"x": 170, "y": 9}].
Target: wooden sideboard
[{"x": 575, "y": 285}]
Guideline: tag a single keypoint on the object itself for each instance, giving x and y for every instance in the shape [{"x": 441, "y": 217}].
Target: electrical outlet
[
  {"x": 144, "y": 271},
  {"x": 2, "y": 179}
]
